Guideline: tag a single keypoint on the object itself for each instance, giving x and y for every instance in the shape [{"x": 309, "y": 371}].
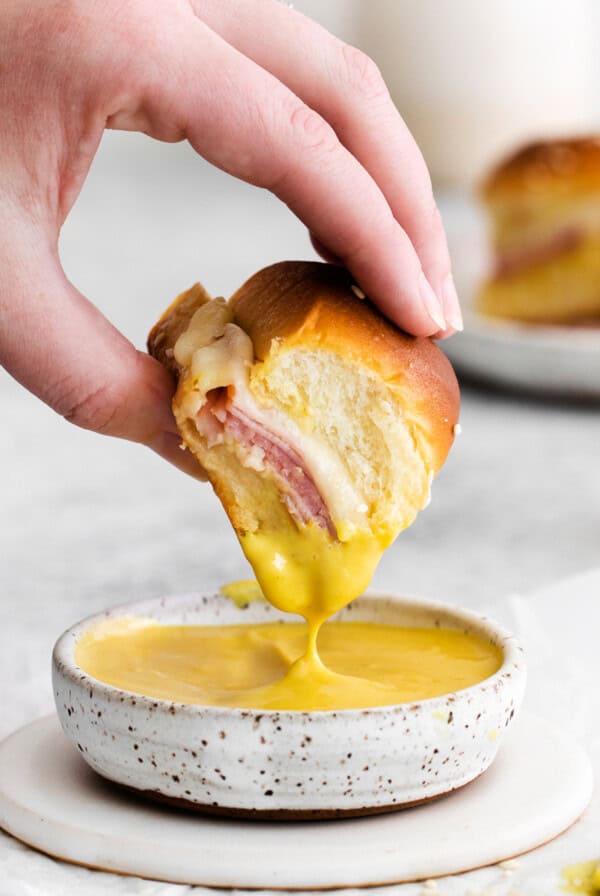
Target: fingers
[
  {"x": 63, "y": 350},
  {"x": 245, "y": 121},
  {"x": 171, "y": 448},
  {"x": 345, "y": 88},
  {"x": 323, "y": 251}
]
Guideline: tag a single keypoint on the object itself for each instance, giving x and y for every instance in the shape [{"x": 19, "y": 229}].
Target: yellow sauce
[
  {"x": 267, "y": 666},
  {"x": 277, "y": 666},
  {"x": 243, "y": 592},
  {"x": 584, "y": 877},
  {"x": 304, "y": 571}
]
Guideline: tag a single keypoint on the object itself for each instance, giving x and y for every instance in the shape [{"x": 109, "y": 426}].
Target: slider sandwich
[
  {"x": 319, "y": 424},
  {"x": 544, "y": 204}
]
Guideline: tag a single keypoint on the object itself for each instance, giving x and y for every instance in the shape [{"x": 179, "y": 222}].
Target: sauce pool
[{"x": 268, "y": 666}]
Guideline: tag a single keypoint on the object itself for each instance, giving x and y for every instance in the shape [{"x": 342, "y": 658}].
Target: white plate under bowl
[
  {"x": 292, "y": 764},
  {"x": 548, "y": 360},
  {"x": 51, "y": 800}
]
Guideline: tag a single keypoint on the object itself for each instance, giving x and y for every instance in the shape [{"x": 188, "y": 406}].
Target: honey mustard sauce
[
  {"x": 584, "y": 877},
  {"x": 268, "y": 666},
  {"x": 303, "y": 571},
  {"x": 316, "y": 665}
]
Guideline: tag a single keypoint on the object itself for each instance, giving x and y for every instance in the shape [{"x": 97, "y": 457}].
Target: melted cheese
[
  {"x": 214, "y": 351},
  {"x": 268, "y": 667}
]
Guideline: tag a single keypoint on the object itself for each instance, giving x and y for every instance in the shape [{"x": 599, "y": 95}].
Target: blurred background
[
  {"x": 91, "y": 522},
  {"x": 475, "y": 80}
]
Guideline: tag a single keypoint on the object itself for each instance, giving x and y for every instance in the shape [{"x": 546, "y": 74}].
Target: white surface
[
  {"x": 51, "y": 800},
  {"x": 90, "y": 522},
  {"x": 549, "y": 360},
  {"x": 257, "y": 760}
]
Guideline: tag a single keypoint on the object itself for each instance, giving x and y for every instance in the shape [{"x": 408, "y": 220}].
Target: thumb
[{"x": 60, "y": 347}]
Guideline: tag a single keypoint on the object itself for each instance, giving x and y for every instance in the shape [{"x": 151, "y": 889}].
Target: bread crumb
[
  {"x": 358, "y": 291},
  {"x": 508, "y": 865},
  {"x": 457, "y": 429},
  {"x": 182, "y": 446}
]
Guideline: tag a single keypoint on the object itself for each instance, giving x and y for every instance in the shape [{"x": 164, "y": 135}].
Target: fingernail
[
  {"x": 431, "y": 302},
  {"x": 452, "y": 311}
]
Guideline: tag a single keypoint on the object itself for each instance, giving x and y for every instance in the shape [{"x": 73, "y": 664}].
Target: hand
[{"x": 258, "y": 90}]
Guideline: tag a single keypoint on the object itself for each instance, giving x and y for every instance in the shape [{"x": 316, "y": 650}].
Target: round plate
[
  {"x": 50, "y": 799},
  {"x": 549, "y": 360}
]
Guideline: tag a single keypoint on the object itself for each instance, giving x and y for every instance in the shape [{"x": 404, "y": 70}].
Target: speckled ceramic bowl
[{"x": 289, "y": 765}]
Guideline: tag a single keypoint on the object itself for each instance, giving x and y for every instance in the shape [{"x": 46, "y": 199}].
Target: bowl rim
[{"x": 63, "y": 660}]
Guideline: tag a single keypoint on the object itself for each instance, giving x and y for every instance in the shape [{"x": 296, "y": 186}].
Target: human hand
[{"x": 299, "y": 113}]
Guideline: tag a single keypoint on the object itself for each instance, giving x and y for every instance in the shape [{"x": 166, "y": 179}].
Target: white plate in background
[{"x": 549, "y": 360}]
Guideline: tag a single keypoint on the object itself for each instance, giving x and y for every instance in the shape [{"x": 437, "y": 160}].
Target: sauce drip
[
  {"x": 268, "y": 666},
  {"x": 303, "y": 571},
  {"x": 584, "y": 877}
]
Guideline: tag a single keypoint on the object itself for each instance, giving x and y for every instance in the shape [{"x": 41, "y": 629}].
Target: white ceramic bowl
[{"x": 253, "y": 763}]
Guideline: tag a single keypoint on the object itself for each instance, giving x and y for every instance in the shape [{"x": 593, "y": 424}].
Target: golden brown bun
[
  {"x": 550, "y": 166},
  {"x": 312, "y": 304},
  {"x": 544, "y": 205},
  {"x": 383, "y": 405}
]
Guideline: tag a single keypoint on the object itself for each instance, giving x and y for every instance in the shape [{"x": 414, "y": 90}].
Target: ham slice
[
  {"x": 513, "y": 261},
  {"x": 220, "y": 421}
]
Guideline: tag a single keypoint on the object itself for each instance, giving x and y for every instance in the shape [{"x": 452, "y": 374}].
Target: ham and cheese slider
[
  {"x": 319, "y": 424},
  {"x": 544, "y": 204}
]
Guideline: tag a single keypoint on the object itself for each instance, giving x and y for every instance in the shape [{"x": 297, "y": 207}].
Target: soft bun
[
  {"x": 302, "y": 303},
  {"x": 544, "y": 206},
  {"x": 549, "y": 166},
  {"x": 369, "y": 410}
]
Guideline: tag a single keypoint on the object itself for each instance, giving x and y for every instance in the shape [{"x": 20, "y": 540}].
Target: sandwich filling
[
  {"x": 531, "y": 235},
  {"x": 546, "y": 239},
  {"x": 518, "y": 258},
  {"x": 313, "y": 483},
  {"x": 221, "y": 420}
]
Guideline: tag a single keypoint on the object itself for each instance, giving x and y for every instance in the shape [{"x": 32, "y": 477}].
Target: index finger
[
  {"x": 243, "y": 119},
  {"x": 345, "y": 87}
]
